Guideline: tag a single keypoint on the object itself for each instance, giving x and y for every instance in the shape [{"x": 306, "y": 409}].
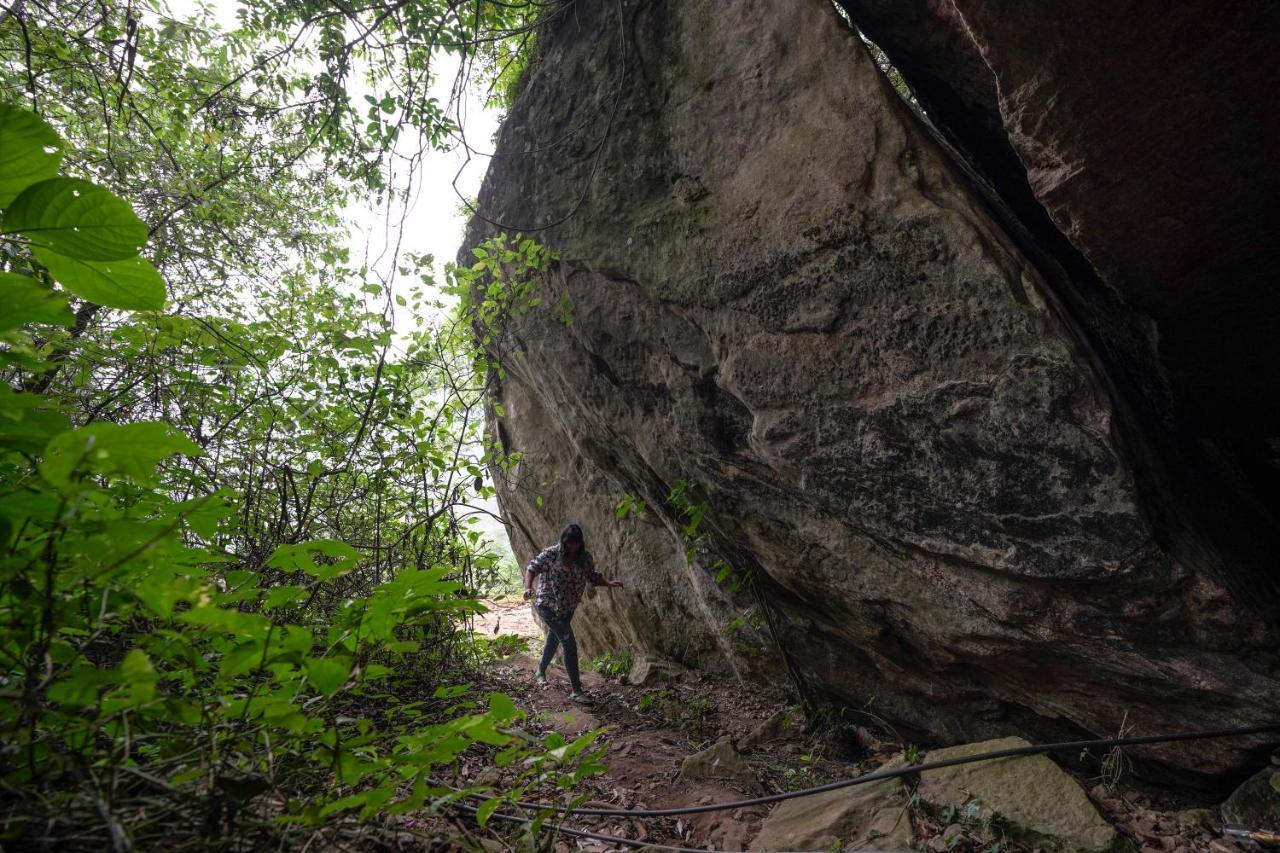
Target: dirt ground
[{"x": 649, "y": 730}]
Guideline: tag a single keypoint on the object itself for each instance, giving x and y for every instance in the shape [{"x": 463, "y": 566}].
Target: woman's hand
[{"x": 614, "y": 583}]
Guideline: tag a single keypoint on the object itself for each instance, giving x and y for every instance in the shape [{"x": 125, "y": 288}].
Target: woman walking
[{"x": 563, "y": 572}]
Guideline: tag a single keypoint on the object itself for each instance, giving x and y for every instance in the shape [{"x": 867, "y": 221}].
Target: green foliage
[
  {"x": 502, "y": 284},
  {"x": 629, "y": 505},
  {"x": 30, "y": 152},
  {"x": 672, "y": 710},
  {"x": 83, "y": 235},
  {"x": 810, "y": 773},
  {"x": 497, "y": 574},
  {"x": 236, "y": 560},
  {"x": 140, "y": 636},
  {"x": 611, "y": 664},
  {"x": 504, "y": 645},
  {"x": 692, "y": 511}
]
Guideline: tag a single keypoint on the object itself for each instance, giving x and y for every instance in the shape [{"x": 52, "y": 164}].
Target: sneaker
[
  {"x": 580, "y": 697},
  {"x": 540, "y": 678}
]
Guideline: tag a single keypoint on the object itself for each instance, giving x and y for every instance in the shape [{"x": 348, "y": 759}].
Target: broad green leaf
[
  {"x": 486, "y": 810},
  {"x": 501, "y": 707},
  {"x": 76, "y": 218},
  {"x": 132, "y": 284},
  {"x": 79, "y": 686},
  {"x": 23, "y": 425},
  {"x": 128, "y": 450},
  {"x": 243, "y": 658},
  {"x": 161, "y": 590},
  {"x": 348, "y": 802},
  {"x": 293, "y": 558},
  {"x": 206, "y": 513},
  {"x": 24, "y": 300},
  {"x": 137, "y": 672},
  {"x": 326, "y": 674},
  {"x": 452, "y": 691},
  {"x": 246, "y": 626},
  {"x": 282, "y": 595},
  {"x": 30, "y": 151},
  {"x": 295, "y": 638}
]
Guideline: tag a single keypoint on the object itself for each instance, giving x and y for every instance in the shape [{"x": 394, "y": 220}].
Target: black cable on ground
[
  {"x": 1032, "y": 749},
  {"x": 582, "y": 833}
]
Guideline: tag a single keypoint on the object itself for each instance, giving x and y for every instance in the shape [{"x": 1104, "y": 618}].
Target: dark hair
[{"x": 572, "y": 533}]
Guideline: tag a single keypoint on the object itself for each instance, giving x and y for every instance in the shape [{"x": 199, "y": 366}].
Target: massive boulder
[{"x": 933, "y": 461}]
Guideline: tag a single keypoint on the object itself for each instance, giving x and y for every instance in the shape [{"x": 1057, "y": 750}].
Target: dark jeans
[{"x": 560, "y": 632}]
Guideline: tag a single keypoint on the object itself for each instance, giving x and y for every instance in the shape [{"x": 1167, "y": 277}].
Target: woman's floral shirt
[{"x": 560, "y": 586}]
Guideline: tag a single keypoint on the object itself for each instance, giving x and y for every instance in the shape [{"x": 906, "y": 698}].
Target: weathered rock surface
[
  {"x": 1139, "y": 154},
  {"x": 1165, "y": 181},
  {"x": 1032, "y": 798},
  {"x": 719, "y": 761},
  {"x": 1256, "y": 803},
  {"x": 786, "y": 295},
  {"x": 874, "y": 816}
]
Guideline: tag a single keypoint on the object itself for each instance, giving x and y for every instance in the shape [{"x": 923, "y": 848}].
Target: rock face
[
  {"x": 1141, "y": 135},
  {"x": 930, "y": 463}
]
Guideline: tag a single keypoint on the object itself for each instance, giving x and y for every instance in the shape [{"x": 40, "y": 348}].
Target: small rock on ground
[
  {"x": 863, "y": 817},
  {"x": 719, "y": 761},
  {"x": 1256, "y": 803}
]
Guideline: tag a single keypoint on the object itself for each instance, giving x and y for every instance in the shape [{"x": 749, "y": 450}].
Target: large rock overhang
[{"x": 939, "y": 462}]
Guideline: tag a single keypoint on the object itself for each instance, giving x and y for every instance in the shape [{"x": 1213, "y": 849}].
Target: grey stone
[
  {"x": 1256, "y": 803},
  {"x": 874, "y": 816},
  {"x": 1195, "y": 818},
  {"x": 647, "y": 671},
  {"x": 1025, "y": 105},
  {"x": 719, "y": 761},
  {"x": 789, "y": 722},
  {"x": 1033, "y": 799}
]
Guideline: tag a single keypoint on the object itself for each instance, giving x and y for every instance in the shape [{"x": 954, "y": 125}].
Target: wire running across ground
[
  {"x": 898, "y": 772},
  {"x": 582, "y": 833}
]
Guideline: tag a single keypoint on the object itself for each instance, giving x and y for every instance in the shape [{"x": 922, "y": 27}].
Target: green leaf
[
  {"x": 345, "y": 803},
  {"x": 129, "y": 450},
  {"x": 293, "y": 558},
  {"x": 243, "y": 658},
  {"x": 486, "y": 810},
  {"x": 452, "y": 691},
  {"x": 24, "y": 300},
  {"x": 76, "y": 218},
  {"x": 78, "y": 686},
  {"x": 282, "y": 595},
  {"x": 204, "y": 514},
  {"x": 24, "y": 426},
  {"x": 137, "y": 673},
  {"x": 501, "y": 707},
  {"x": 30, "y": 151},
  {"x": 326, "y": 674},
  {"x": 132, "y": 284}
]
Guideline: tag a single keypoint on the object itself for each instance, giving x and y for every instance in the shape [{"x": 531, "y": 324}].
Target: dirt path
[{"x": 650, "y": 729}]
